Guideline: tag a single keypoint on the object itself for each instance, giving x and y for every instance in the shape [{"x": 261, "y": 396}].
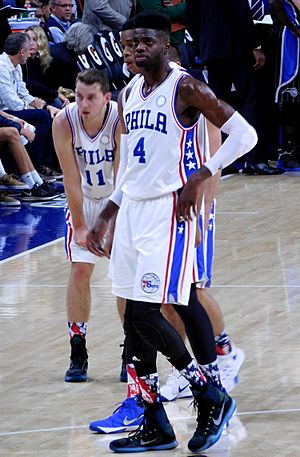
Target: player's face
[
  {"x": 127, "y": 48},
  {"x": 149, "y": 48},
  {"x": 90, "y": 100}
]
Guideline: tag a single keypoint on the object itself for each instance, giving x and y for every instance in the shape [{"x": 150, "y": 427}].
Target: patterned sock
[
  {"x": 212, "y": 373},
  {"x": 194, "y": 375},
  {"x": 77, "y": 328},
  {"x": 149, "y": 387},
  {"x": 133, "y": 388},
  {"x": 223, "y": 344}
]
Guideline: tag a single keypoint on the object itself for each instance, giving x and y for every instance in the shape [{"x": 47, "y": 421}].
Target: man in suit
[{"x": 229, "y": 48}]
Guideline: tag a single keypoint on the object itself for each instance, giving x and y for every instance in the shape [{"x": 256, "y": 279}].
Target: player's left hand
[{"x": 191, "y": 195}]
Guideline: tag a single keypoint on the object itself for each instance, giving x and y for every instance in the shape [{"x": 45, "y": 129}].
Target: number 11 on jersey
[{"x": 99, "y": 175}]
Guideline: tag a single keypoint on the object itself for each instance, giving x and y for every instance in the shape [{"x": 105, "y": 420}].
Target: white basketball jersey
[
  {"x": 162, "y": 153},
  {"x": 95, "y": 156}
]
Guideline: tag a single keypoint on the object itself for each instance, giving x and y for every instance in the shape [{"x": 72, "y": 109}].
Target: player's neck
[
  {"x": 94, "y": 125},
  {"x": 154, "y": 77}
]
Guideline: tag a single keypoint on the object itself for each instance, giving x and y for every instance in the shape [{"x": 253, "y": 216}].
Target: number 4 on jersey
[{"x": 139, "y": 151}]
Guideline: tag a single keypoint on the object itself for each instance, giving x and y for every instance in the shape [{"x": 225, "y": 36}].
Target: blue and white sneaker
[
  {"x": 176, "y": 387},
  {"x": 229, "y": 366},
  {"x": 127, "y": 417}
]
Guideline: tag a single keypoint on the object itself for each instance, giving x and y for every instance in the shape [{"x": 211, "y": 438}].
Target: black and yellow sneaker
[
  {"x": 215, "y": 408},
  {"x": 154, "y": 434},
  {"x": 77, "y": 371}
]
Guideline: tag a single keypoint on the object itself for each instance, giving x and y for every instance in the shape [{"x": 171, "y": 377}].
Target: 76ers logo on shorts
[{"x": 150, "y": 283}]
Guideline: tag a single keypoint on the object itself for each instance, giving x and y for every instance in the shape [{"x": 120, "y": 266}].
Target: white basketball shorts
[
  {"x": 152, "y": 255},
  {"x": 91, "y": 210}
]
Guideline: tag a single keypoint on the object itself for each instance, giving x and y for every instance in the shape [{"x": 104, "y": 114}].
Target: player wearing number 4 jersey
[
  {"x": 85, "y": 141},
  {"x": 156, "y": 200}
]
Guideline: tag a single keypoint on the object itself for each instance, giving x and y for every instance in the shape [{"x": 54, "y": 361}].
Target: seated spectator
[
  {"x": 64, "y": 67},
  {"x": 59, "y": 20},
  {"x": 5, "y": 29},
  {"x": 42, "y": 10},
  {"x": 16, "y": 99},
  {"x": 32, "y": 185},
  {"x": 35, "y": 69},
  {"x": 107, "y": 14}
]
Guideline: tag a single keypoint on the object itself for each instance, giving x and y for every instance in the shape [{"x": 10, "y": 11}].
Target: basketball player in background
[
  {"x": 152, "y": 256},
  {"x": 84, "y": 136}
]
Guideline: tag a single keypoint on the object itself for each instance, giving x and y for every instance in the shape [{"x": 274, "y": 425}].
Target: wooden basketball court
[{"x": 257, "y": 283}]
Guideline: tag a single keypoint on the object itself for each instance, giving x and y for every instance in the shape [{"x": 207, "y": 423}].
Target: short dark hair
[
  {"x": 128, "y": 25},
  {"x": 154, "y": 21},
  {"x": 92, "y": 76},
  {"x": 15, "y": 42}
]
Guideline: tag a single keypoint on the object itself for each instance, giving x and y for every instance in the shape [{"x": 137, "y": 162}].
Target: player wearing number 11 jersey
[{"x": 84, "y": 135}]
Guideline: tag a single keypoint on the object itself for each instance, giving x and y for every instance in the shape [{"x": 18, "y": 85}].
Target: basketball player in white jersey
[
  {"x": 152, "y": 255},
  {"x": 84, "y": 135},
  {"x": 230, "y": 357}
]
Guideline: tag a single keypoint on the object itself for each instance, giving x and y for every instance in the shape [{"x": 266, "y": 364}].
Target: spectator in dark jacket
[
  {"x": 228, "y": 46},
  {"x": 35, "y": 69},
  {"x": 64, "y": 67}
]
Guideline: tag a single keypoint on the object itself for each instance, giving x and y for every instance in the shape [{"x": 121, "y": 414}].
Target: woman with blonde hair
[{"x": 36, "y": 70}]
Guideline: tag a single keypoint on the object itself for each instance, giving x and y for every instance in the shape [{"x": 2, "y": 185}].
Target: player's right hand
[
  {"x": 96, "y": 238},
  {"x": 80, "y": 236}
]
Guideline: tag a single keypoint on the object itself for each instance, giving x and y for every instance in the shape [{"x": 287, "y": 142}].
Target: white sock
[
  {"x": 36, "y": 177},
  {"x": 27, "y": 179}
]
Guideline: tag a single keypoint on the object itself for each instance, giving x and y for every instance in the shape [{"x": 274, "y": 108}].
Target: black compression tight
[
  {"x": 147, "y": 332},
  {"x": 198, "y": 329}
]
